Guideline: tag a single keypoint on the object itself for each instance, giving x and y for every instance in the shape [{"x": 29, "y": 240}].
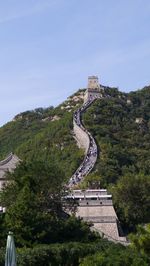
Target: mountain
[
  {"x": 44, "y": 140},
  {"x": 119, "y": 123}
]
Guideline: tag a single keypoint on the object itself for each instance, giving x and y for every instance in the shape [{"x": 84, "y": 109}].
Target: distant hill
[{"x": 120, "y": 124}]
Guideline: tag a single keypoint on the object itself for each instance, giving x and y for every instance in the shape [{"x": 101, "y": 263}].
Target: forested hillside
[
  {"x": 44, "y": 140},
  {"x": 120, "y": 124},
  {"x": 44, "y": 134},
  {"x": 121, "y": 127}
]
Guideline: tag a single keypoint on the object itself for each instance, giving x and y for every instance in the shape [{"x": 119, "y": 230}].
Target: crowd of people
[{"x": 91, "y": 155}]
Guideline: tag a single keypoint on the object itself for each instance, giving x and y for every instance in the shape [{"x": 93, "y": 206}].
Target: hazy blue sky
[{"x": 49, "y": 47}]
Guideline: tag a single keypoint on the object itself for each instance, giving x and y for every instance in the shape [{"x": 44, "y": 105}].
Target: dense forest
[{"x": 43, "y": 139}]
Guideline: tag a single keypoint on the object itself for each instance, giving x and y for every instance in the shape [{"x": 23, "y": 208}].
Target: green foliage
[
  {"x": 132, "y": 198},
  {"x": 34, "y": 199},
  {"x": 115, "y": 256},
  {"x": 67, "y": 254},
  {"x": 2, "y": 256},
  {"x": 33, "y": 202},
  {"x": 31, "y": 137},
  {"x": 141, "y": 240},
  {"x": 124, "y": 145},
  {"x": 100, "y": 253}
]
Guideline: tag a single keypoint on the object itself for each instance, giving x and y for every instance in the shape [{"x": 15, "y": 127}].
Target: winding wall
[
  {"x": 100, "y": 213},
  {"x": 85, "y": 141}
]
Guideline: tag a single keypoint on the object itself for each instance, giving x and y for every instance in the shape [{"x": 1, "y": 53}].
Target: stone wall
[
  {"x": 9, "y": 164},
  {"x": 97, "y": 211},
  {"x": 81, "y": 137},
  {"x": 110, "y": 229},
  {"x": 104, "y": 220}
]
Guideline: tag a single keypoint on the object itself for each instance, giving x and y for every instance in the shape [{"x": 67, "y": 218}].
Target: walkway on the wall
[
  {"x": 86, "y": 140},
  {"x": 8, "y": 164},
  {"x": 7, "y": 159},
  {"x": 91, "y": 154}
]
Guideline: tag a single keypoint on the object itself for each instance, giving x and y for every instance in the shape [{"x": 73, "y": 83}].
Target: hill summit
[{"x": 119, "y": 123}]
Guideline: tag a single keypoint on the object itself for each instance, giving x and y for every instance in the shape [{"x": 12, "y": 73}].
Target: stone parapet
[
  {"x": 97, "y": 202},
  {"x": 6, "y": 160}
]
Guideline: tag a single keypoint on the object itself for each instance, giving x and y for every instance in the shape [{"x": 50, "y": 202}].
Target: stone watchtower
[
  {"x": 93, "y": 90},
  {"x": 93, "y": 82}
]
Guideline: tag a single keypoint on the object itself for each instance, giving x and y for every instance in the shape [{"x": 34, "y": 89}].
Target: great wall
[
  {"x": 85, "y": 141},
  {"x": 96, "y": 205},
  {"x": 93, "y": 205}
]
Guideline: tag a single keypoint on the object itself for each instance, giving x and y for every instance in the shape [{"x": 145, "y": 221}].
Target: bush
[{"x": 68, "y": 254}]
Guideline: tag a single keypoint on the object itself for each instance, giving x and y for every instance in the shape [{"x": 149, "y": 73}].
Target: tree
[
  {"x": 35, "y": 206},
  {"x": 117, "y": 256},
  {"x": 33, "y": 200},
  {"x": 132, "y": 198},
  {"x": 141, "y": 240}
]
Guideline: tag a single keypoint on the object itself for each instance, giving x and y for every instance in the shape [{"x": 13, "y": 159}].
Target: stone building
[
  {"x": 93, "y": 89},
  {"x": 96, "y": 206}
]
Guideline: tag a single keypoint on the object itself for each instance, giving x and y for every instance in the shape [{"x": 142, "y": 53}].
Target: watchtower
[
  {"x": 93, "y": 90},
  {"x": 93, "y": 82}
]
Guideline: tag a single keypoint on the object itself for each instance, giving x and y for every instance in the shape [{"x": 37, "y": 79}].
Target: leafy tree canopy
[
  {"x": 141, "y": 240},
  {"x": 34, "y": 200},
  {"x": 132, "y": 198}
]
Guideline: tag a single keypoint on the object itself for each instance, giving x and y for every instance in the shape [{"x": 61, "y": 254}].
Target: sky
[{"x": 48, "y": 48}]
